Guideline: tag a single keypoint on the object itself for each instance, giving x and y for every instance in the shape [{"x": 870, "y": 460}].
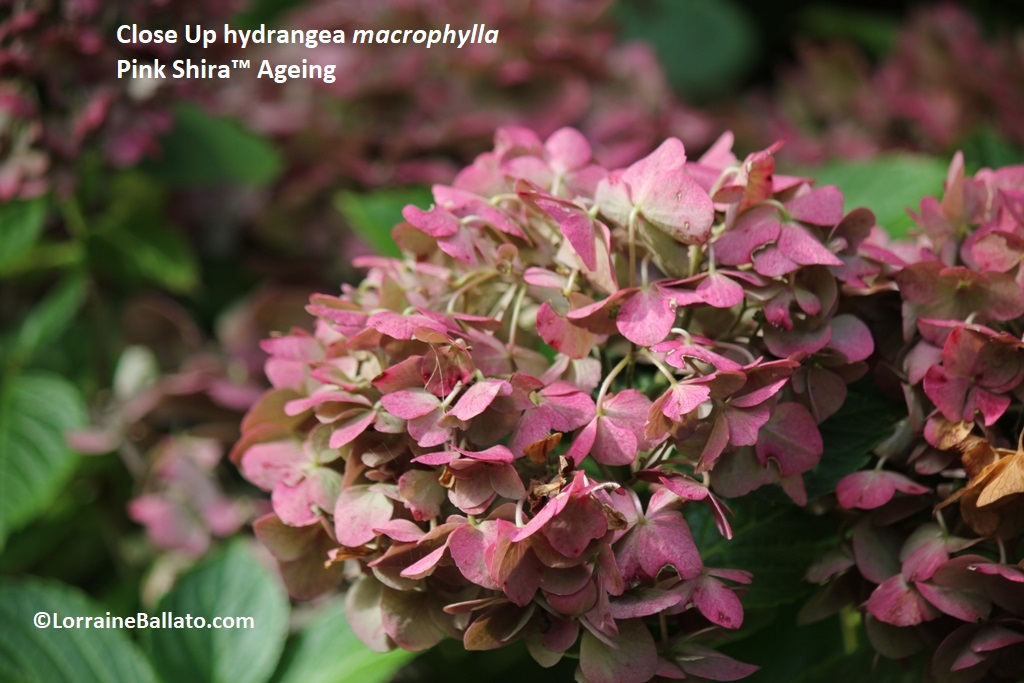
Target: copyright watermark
[{"x": 141, "y": 620}]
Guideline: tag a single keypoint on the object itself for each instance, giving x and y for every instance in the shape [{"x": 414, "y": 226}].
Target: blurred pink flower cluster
[
  {"x": 942, "y": 81},
  {"x": 932, "y": 542},
  {"x": 174, "y": 408},
  {"x": 416, "y": 115},
  {"x": 499, "y": 436},
  {"x": 59, "y": 91}
]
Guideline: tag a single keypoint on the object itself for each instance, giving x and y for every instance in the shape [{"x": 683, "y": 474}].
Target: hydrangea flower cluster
[
  {"x": 416, "y": 116},
  {"x": 933, "y": 541},
  {"x": 173, "y": 410},
  {"x": 943, "y": 79},
  {"x": 59, "y": 93},
  {"x": 499, "y": 436}
]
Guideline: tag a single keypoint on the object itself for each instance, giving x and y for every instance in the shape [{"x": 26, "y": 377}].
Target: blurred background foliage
[{"x": 148, "y": 241}]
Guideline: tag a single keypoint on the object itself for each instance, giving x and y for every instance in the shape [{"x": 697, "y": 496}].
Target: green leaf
[
  {"x": 21, "y": 224},
  {"x": 258, "y": 12},
  {"x": 987, "y": 148},
  {"x": 134, "y": 242},
  {"x": 874, "y": 31},
  {"x": 35, "y": 462},
  {"x": 774, "y": 542},
  {"x": 812, "y": 653},
  {"x": 866, "y": 419},
  {"x": 45, "y": 324},
  {"x": 857, "y": 667},
  {"x": 202, "y": 149},
  {"x": 888, "y": 185},
  {"x": 230, "y": 583},
  {"x": 71, "y": 655},
  {"x": 372, "y": 215},
  {"x": 326, "y": 651},
  {"x": 705, "y": 47}
]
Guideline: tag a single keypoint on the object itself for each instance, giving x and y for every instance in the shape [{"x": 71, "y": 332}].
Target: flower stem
[
  {"x": 661, "y": 366},
  {"x": 514, "y": 324},
  {"x": 631, "y": 227},
  {"x": 611, "y": 377}
]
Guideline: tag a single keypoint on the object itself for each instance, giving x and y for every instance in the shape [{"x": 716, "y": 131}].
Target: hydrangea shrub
[
  {"x": 60, "y": 99},
  {"x": 946, "y": 79},
  {"x": 499, "y": 436},
  {"x": 932, "y": 535}
]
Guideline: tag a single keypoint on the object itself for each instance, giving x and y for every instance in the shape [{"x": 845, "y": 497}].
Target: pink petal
[
  {"x": 514, "y": 566},
  {"x": 753, "y": 229},
  {"x": 467, "y": 544},
  {"x": 568, "y": 149},
  {"x": 772, "y": 262},
  {"x": 643, "y": 602},
  {"x": 266, "y": 464},
  {"x": 791, "y": 438},
  {"x": 874, "y": 488},
  {"x": 663, "y": 539},
  {"x": 679, "y": 207},
  {"x": 707, "y": 664},
  {"x": 967, "y": 605},
  {"x": 357, "y": 513},
  {"x": 351, "y": 428},
  {"x": 576, "y": 225},
  {"x": 821, "y": 206},
  {"x": 581, "y": 521},
  {"x": 301, "y": 405},
  {"x": 410, "y": 403},
  {"x": 720, "y": 291},
  {"x": 493, "y": 454},
  {"x": 427, "y": 430},
  {"x": 851, "y": 337},
  {"x": 426, "y": 565},
  {"x": 563, "y": 336},
  {"x": 506, "y": 482},
  {"x": 583, "y": 443},
  {"x": 422, "y": 493},
  {"x": 647, "y": 316},
  {"x": 718, "y": 603},
  {"x": 479, "y": 397},
  {"x": 614, "y": 444},
  {"x": 436, "y": 222},
  {"x": 301, "y": 505},
  {"x": 682, "y": 399},
  {"x": 402, "y": 530},
  {"x": 635, "y": 660},
  {"x": 894, "y": 602}
]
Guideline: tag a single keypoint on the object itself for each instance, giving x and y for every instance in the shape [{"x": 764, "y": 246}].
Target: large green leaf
[
  {"x": 50, "y": 318},
  {"x": 372, "y": 215},
  {"x": 872, "y": 30},
  {"x": 987, "y": 147},
  {"x": 888, "y": 185},
  {"x": 35, "y": 411},
  {"x": 705, "y": 47},
  {"x": 66, "y": 655},
  {"x": 813, "y": 653},
  {"x": 230, "y": 583},
  {"x": 775, "y": 542},
  {"x": 134, "y": 242},
  {"x": 326, "y": 651},
  {"x": 205, "y": 150},
  {"x": 865, "y": 420},
  {"x": 21, "y": 223}
]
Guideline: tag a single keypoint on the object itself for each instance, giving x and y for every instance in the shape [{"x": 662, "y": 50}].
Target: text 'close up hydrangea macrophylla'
[{"x": 499, "y": 436}]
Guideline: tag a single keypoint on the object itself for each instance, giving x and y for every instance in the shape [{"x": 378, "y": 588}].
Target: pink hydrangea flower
[{"x": 560, "y": 340}]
